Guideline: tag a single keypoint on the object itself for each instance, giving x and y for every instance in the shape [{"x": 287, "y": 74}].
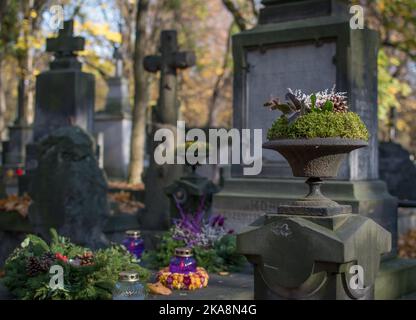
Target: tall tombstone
[
  {"x": 165, "y": 114},
  {"x": 307, "y": 45},
  {"x": 20, "y": 134},
  {"x": 64, "y": 94},
  {"x": 114, "y": 123}
]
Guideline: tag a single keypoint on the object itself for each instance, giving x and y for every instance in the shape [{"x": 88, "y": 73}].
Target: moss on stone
[{"x": 320, "y": 125}]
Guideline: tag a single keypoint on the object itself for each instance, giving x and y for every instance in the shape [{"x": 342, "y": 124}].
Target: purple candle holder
[
  {"x": 183, "y": 261},
  {"x": 134, "y": 243}
]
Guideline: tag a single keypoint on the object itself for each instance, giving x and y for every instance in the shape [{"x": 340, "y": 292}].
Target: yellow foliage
[
  {"x": 33, "y": 14},
  {"x": 101, "y": 30}
]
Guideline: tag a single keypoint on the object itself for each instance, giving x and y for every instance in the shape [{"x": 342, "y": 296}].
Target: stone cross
[
  {"x": 156, "y": 216},
  {"x": 169, "y": 60},
  {"x": 64, "y": 47}
]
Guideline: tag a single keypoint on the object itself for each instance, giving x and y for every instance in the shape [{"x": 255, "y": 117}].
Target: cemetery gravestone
[
  {"x": 20, "y": 134},
  {"x": 166, "y": 114},
  {"x": 308, "y": 44},
  {"x": 305, "y": 45},
  {"x": 64, "y": 94},
  {"x": 114, "y": 123},
  {"x": 68, "y": 189},
  {"x": 397, "y": 170}
]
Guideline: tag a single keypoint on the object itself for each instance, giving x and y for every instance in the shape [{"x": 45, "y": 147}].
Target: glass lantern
[
  {"x": 128, "y": 287},
  {"x": 134, "y": 243},
  {"x": 183, "y": 261}
]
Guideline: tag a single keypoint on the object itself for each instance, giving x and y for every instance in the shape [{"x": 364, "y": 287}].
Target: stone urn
[
  {"x": 314, "y": 248},
  {"x": 315, "y": 159}
]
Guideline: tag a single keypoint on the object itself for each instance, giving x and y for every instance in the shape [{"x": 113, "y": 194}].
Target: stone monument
[
  {"x": 305, "y": 45},
  {"x": 64, "y": 94},
  {"x": 166, "y": 114},
  {"x": 314, "y": 248},
  {"x": 68, "y": 189},
  {"x": 114, "y": 123},
  {"x": 397, "y": 170},
  {"x": 309, "y": 45},
  {"x": 20, "y": 134}
]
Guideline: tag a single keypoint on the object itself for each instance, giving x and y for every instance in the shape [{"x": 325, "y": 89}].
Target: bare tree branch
[
  {"x": 236, "y": 13},
  {"x": 254, "y": 8}
]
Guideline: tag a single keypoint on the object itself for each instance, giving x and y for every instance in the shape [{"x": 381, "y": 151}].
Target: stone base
[
  {"x": 396, "y": 280},
  {"x": 243, "y": 200}
]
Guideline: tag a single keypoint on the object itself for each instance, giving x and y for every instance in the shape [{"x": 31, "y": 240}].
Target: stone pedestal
[
  {"x": 243, "y": 200},
  {"x": 309, "y": 45},
  {"x": 305, "y": 257},
  {"x": 114, "y": 124},
  {"x": 63, "y": 97},
  {"x": 306, "y": 45},
  {"x": 64, "y": 94}
]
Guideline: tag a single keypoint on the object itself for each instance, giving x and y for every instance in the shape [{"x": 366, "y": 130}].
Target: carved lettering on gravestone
[{"x": 271, "y": 72}]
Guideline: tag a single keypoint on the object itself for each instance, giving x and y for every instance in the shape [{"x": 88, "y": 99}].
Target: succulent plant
[
  {"x": 298, "y": 103},
  {"x": 292, "y": 108}
]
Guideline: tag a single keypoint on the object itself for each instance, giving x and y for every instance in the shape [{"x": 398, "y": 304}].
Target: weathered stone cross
[
  {"x": 156, "y": 216},
  {"x": 64, "y": 47},
  {"x": 169, "y": 60}
]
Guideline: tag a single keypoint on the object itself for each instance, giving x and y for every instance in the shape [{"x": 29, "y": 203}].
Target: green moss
[{"x": 320, "y": 125}]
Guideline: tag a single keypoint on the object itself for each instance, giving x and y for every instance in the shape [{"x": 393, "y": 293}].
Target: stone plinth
[
  {"x": 311, "y": 54},
  {"x": 304, "y": 257},
  {"x": 64, "y": 94}
]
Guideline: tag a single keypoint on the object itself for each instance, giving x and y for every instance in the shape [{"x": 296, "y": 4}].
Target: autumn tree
[
  {"x": 8, "y": 37},
  {"x": 141, "y": 95},
  {"x": 396, "y": 23}
]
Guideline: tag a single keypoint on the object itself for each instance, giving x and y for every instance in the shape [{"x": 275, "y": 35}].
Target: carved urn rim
[
  {"x": 317, "y": 157},
  {"x": 359, "y": 143}
]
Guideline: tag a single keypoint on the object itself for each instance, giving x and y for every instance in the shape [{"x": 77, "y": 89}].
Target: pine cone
[
  {"x": 86, "y": 259},
  {"x": 33, "y": 267},
  {"x": 46, "y": 261},
  {"x": 340, "y": 105}
]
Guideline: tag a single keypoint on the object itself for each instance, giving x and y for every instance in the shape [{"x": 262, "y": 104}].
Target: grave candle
[
  {"x": 128, "y": 287},
  {"x": 134, "y": 243},
  {"x": 183, "y": 261}
]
